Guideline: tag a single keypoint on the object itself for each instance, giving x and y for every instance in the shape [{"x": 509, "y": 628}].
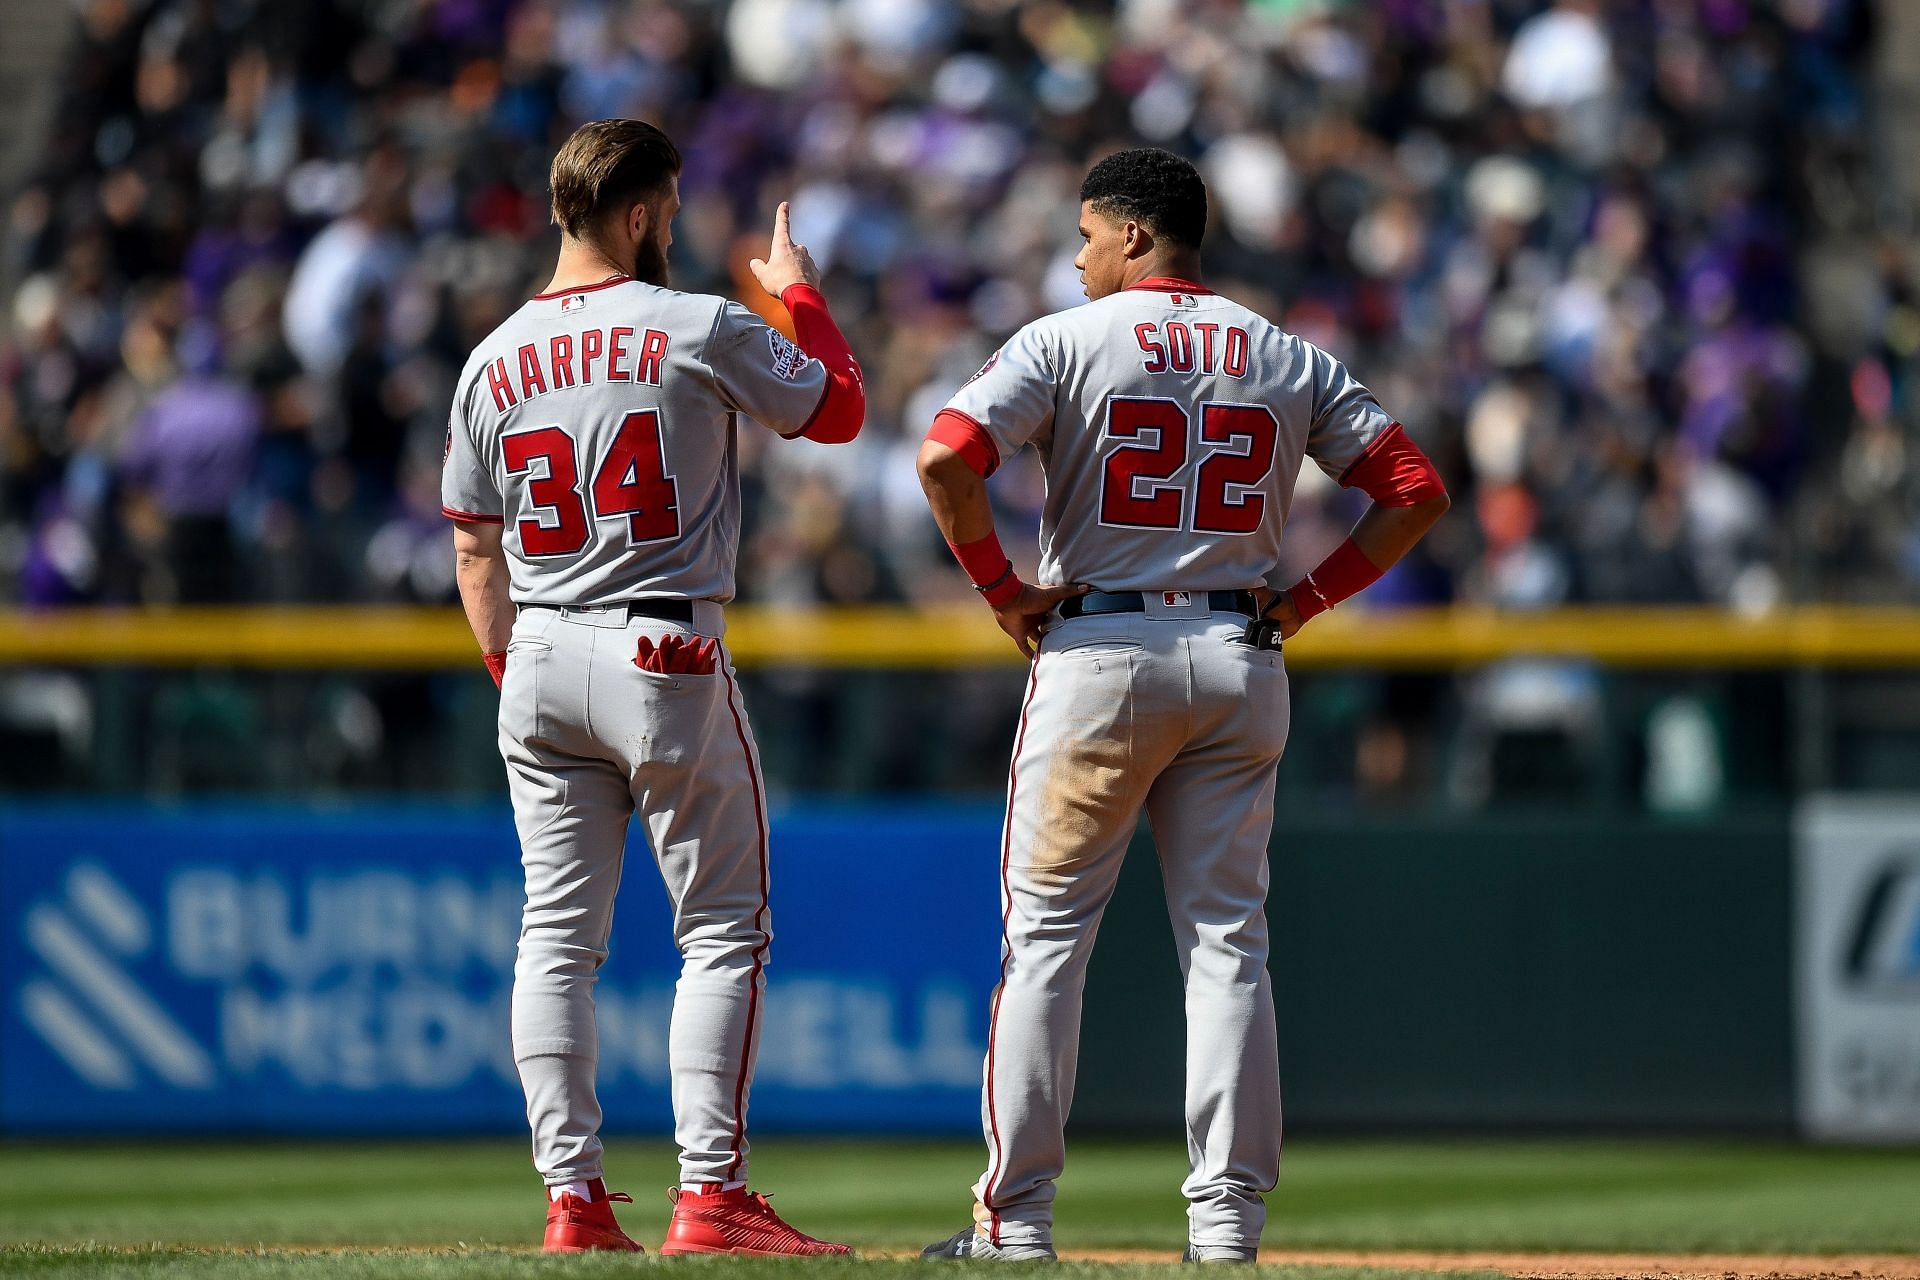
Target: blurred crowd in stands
[{"x": 1619, "y": 266}]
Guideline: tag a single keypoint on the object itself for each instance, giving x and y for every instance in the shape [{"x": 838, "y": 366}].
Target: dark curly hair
[{"x": 1155, "y": 188}]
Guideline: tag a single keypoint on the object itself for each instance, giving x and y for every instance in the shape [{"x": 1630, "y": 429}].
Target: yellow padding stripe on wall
[{"x": 424, "y": 638}]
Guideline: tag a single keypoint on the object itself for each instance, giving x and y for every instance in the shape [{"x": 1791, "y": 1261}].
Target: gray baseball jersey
[
  {"x": 1172, "y": 423},
  {"x": 599, "y": 425}
]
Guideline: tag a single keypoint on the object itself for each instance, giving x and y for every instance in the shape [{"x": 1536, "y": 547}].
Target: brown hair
[{"x": 608, "y": 166}]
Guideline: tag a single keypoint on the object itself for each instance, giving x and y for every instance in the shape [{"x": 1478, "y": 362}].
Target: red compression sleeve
[
  {"x": 496, "y": 666},
  {"x": 1393, "y": 471},
  {"x": 967, "y": 438},
  {"x": 843, "y": 405},
  {"x": 988, "y": 568},
  {"x": 1345, "y": 573}
]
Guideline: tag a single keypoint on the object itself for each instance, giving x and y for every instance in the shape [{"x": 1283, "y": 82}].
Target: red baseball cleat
[
  {"x": 586, "y": 1226},
  {"x": 737, "y": 1221}
]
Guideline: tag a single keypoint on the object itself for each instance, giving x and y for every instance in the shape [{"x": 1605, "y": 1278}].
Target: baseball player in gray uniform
[
  {"x": 592, "y": 474},
  {"x": 1171, "y": 423}
]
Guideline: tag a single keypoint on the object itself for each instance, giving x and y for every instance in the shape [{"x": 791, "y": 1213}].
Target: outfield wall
[
  {"x": 1491, "y": 974},
  {"x": 277, "y": 970},
  {"x": 285, "y": 971}
]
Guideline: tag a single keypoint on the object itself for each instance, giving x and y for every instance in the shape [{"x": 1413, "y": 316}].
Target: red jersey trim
[
  {"x": 1372, "y": 445},
  {"x": 967, "y": 438},
  {"x": 608, "y": 283},
  {"x": 1170, "y": 284},
  {"x": 826, "y": 393},
  {"x": 474, "y": 517}
]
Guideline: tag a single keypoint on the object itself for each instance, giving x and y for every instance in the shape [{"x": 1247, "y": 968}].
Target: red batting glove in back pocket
[{"x": 676, "y": 655}]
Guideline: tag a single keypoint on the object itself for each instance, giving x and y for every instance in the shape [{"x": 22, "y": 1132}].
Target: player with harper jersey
[
  {"x": 1171, "y": 424},
  {"x": 592, "y": 472}
]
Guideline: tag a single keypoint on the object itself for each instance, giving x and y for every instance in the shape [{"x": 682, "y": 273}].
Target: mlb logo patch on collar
[
  {"x": 1185, "y": 301},
  {"x": 1176, "y": 599},
  {"x": 573, "y": 302}
]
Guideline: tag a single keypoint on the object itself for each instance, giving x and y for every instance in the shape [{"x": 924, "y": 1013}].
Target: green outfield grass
[
  {"x": 381, "y": 1265},
  {"x": 149, "y": 1209}
]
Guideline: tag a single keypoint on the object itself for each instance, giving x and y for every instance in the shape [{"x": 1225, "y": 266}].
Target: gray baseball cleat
[
  {"x": 971, "y": 1244},
  {"x": 1221, "y": 1255}
]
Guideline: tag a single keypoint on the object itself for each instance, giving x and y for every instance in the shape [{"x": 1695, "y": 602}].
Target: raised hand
[{"x": 786, "y": 263}]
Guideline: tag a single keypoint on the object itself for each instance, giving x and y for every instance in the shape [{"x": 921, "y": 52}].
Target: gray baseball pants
[
  {"x": 1166, "y": 710},
  {"x": 591, "y": 740}
]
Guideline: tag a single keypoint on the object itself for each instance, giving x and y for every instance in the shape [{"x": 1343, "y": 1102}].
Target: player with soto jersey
[{"x": 1171, "y": 423}]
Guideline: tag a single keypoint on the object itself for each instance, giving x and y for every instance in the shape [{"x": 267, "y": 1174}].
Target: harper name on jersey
[{"x": 552, "y": 368}]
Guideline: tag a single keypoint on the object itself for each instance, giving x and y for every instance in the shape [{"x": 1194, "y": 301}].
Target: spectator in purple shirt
[{"x": 190, "y": 456}]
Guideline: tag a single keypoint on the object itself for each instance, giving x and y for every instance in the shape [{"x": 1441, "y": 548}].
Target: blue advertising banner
[{"x": 252, "y": 970}]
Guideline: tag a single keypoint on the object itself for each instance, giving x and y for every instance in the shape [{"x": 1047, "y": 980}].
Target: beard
[{"x": 650, "y": 263}]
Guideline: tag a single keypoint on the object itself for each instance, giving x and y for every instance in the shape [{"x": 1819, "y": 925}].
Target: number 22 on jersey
[
  {"x": 632, "y": 481},
  {"x": 1153, "y": 439}
]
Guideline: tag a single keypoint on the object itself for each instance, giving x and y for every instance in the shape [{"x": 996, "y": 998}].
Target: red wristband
[
  {"x": 496, "y": 666},
  {"x": 1344, "y": 574},
  {"x": 989, "y": 569}
]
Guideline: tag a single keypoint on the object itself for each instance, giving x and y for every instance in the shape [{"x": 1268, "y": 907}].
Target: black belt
[
  {"x": 663, "y": 609},
  {"x": 1241, "y": 602}
]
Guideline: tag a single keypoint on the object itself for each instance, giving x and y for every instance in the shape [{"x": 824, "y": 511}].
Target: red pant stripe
[
  {"x": 1006, "y": 954},
  {"x": 759, "y": 924}
]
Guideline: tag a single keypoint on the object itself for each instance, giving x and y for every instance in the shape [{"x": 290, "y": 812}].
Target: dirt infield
[{"x": 1583, "y": 1266}]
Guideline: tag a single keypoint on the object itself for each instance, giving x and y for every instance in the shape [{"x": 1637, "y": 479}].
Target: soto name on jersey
[{"x": 1171, "y": 347}]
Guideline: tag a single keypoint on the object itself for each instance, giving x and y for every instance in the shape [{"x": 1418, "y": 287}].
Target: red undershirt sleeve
[
  {"x": 968, "y": 439},
  {"x": 843, "y": 405},
  {"x": 1394, "y": 472}
]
